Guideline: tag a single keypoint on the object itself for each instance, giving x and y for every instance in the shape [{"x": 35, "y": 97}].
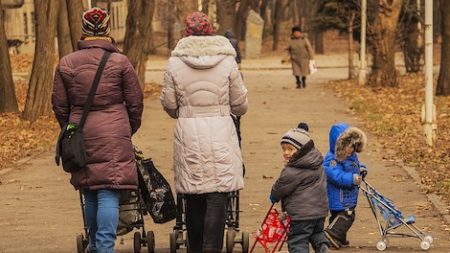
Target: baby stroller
[
  {"x": 131, "y": 215},
  {"x": 273, "y": 230},
  {"x": 384, "y": 209},
  {"x": 178, "y": 239}
]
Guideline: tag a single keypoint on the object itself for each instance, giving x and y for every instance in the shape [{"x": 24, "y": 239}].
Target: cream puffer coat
[{"x": 202, "y": 87}]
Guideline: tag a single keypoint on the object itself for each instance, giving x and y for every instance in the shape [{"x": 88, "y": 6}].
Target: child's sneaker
[
  {"x": 346, "y": 244},
  {"x": 335, "y": 244}
]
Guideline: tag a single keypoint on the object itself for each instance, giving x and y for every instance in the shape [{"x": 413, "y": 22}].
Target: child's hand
[
  {"x": 357, "y": 179},
  {"x": 272, "y": 199},
  {"x": 363, "y": 172}
]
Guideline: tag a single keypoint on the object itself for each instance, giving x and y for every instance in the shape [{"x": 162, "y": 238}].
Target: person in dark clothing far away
[{"x": 235, "y": 43}]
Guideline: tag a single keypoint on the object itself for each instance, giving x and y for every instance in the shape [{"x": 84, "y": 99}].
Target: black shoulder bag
[{"x": 70, "y": 145}]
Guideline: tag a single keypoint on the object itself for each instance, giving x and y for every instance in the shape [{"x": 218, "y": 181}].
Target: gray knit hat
[{"x": 297, "y": 137}]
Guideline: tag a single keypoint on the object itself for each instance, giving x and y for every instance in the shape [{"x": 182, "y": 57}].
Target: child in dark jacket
[
  {"x": 344, "y": 175},
  {"x": 301, "y": 188}
]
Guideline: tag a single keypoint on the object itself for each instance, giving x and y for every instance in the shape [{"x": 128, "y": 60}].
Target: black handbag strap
[{"x": 90, "y": 98}]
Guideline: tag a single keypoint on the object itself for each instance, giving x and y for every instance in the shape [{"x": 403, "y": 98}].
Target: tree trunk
[
  {"x": 264, "y": 16},
  {"x": 318, "y": 43},
  {"x": 437, "y": 18},
  {"x": 351, "y": 21},
  {"x": 186, "y": 8},
  {"x": 74, "y": 11},
  {"x": 170, "y": 24},
  {"x": 226, "y": 13},
  {"x": 41, "y": 80},
  {"x": 278, "y": 12},
  {"x": 64, "y": 42},
  {"x": 383, "y": 32},
  {"x": 137, "y": 41},
  {"x": 254, "y": 5},
  {"x": 443, "y": 85},
  {"x": 8, "y": 101},
  {"x": 241, "y": 17},
  {"x": 205, "y": 6},
  {"x": 295, "y": 14}
]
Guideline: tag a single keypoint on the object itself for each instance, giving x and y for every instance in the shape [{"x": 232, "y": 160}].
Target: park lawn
[{"x": 394, "y": 116}]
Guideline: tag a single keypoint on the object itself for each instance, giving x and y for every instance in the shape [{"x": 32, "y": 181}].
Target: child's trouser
[
  {"x": 340, "y": 223},
  {"x": 301, "y": 233}
]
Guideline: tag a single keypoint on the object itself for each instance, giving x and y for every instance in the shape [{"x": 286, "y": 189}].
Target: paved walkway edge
[{"x": 433, "y": 198}]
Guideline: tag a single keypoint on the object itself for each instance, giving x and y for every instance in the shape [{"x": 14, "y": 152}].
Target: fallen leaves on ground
[{"x": 394, "y": 116}]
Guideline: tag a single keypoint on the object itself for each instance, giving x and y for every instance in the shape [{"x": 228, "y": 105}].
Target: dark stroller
[
  {"x": 132, "y": 211},
  {"x": 232, "y": 217},
  {"x": 179, "y": 238},
  {"x": 384, "y": 209}
]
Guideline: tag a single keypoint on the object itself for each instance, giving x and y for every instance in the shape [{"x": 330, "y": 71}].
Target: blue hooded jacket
[{"x": 340, "y": 168}]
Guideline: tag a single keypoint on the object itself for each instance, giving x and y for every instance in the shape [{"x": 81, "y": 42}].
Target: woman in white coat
[{"x": 202, "y": 87}]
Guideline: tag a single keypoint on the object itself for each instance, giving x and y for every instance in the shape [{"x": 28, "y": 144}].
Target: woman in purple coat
[{"x": 114, "y": 117}]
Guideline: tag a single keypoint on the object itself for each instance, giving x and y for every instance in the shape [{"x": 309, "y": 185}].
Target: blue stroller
[{"x": 384, "y": 209}]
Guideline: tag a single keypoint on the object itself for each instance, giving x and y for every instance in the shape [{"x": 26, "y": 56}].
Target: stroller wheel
[
  {"x": 150, "y": 242},
  {"x": 428, "y": 238},
  {"x": 231, "y": 234},
  {"x": 137, "y": 242},
  {"x": 81, "y": 244},
  {"x": 245, "y": 242},
  {"x": 173, "y": 242},
  {"x": 381, "y": 245},
  {"x": 425, "y": 245}
]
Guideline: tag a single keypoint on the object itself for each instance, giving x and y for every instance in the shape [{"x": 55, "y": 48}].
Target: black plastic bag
[{"x": 156, "y": 192}]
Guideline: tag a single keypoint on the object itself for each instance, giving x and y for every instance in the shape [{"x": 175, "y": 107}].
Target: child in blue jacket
[{"x": 344, "y": 175}]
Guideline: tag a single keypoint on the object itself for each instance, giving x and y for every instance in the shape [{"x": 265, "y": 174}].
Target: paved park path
[{"x": 40, "y": 212}]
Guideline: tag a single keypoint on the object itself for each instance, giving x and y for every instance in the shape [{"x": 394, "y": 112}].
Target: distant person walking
[
  {"x": 114, "y": 117},
  {"x": 300, "y": 52},
  {"x": 235, "y": 43},
  {"x": 202, "y": 87}
]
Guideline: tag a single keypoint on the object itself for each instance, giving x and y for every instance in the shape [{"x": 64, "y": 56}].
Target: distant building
[{"x": 20, "y": 22}]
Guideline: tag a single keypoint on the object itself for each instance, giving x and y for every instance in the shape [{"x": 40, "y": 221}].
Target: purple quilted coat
[{"x": 115, "y": 114}]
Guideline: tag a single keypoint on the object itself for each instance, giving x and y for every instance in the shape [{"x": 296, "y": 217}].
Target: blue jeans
[
  {"x": 205, "y": 221},
  {"x": 304, "y": 232},
  {"x": 102, "y": 217}
]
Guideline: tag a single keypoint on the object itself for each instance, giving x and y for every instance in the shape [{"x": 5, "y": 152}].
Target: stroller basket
[{"x": 385, "y": 210}]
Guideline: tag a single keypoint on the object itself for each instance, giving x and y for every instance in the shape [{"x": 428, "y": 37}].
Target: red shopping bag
[{"x": 273, "y": 231}]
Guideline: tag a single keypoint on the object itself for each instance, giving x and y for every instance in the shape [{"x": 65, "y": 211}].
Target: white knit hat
[{"x": 297, "y": 137}]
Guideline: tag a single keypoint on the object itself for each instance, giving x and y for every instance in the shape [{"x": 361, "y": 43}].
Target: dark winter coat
[
  {"x": 340, "y": 168},
  {"x": 230, "y": 36},
  {"x": 301, "y": 187},
  {"x": 301, "y": 53},
  {"x": 115, "y": 114}
]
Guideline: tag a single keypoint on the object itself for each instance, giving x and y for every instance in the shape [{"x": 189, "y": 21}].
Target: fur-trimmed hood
[
  {"x": 342, "y": 136},
  {"x": 203, "y": 52},
  {"x": 203, "y": 46}
]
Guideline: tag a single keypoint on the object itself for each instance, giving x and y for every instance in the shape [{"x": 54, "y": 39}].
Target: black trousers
[
  {"x": 304, "y": 232},
  {"x": 340, "y": 223},
  {"x": 205, "y": 221}
]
